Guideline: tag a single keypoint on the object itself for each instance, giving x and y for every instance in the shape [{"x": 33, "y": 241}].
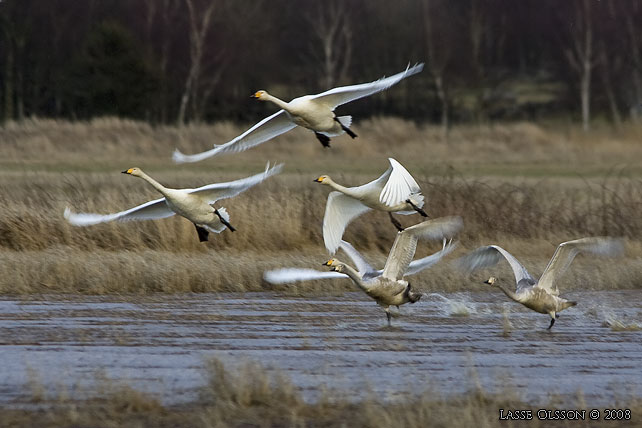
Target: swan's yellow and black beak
[
  {"x": 318, "y": 180},
  {"x": 328, "y": 263},
  {"x": 257, "y": 94},
  {"x": 128, "y": 171}
]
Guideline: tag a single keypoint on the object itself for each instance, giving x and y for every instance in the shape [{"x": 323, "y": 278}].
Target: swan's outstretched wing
[
  {"x": 339, "y": 211},
  {"x": 213, "y": 192},
  {"x": 361, "y": 264},
  {"x": 418, "y": 265},
  {"x": 489, "y": 256},
  {"x": 263, "y": 131},
  {"x": 400, "y": 186},
  {"x": 567, "y": 251},
  {"x": 403, "y": 249},
  {"x": 344, "y": 94},
  {"x": 282, "y": 276},
  {"x": 151, "y": 210}
]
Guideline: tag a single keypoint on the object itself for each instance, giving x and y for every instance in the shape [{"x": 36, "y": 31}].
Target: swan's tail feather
[{"x": 345, "y": 121}]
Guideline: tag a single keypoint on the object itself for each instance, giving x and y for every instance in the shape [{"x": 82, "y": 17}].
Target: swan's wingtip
[{"x": 179, "y": 157}]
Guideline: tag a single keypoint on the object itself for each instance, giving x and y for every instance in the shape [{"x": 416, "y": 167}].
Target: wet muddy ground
[{"x": 450, "y": 342}]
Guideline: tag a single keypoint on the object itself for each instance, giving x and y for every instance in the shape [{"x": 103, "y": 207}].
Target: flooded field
[{"x": 160, "y": 344}]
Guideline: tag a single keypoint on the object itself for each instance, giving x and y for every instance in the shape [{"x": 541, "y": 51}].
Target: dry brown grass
[
  {"x": 252, "y": 396},
  {"x": 522, "y": 186}
]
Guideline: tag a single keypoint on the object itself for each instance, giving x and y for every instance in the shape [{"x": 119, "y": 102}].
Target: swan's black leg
[
  {"x": 202, "y": 233},
  {"x": 416, "y": 208},
  {"x": 552, "y": 322},
  {"x": 388, "y": 316},
  {"x": 324, "y": 139},
  {"x": 345, "y": 128},
  {"x": 395, "y": 222},
  {"x": 225, "y": 222}
]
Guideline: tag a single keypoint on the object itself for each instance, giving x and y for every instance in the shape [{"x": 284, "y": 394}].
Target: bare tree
[
  {"x": 438, "y": 58},
  {"x": 580, "y": 55},
  {"x": 634, "y": 46},
  {"x": 331, "y": 26},
  {"x": 478, "y": 27},
  {"x": 199, "y": 25}
]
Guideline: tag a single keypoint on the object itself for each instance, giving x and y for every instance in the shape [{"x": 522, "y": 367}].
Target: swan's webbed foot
[
  {"x": 416, "y": 208},
  {"x": 345, "y": 128},
  {"x": 324, "y": 139},
  {"x": 202, "y": 233},
  {"x": 225, "y": 222},
  {"x": 395, "y": 222},
  {"x": 552, "y": 322}
]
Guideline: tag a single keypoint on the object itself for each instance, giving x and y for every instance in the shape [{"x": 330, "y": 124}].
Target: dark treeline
[{"x": 176, "y": 61}]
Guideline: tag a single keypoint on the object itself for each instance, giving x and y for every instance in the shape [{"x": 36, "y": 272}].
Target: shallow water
[{"x": 447, "y": 342}]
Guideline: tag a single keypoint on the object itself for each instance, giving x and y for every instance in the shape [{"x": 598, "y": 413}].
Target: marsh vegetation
[{"x": 526, "y": 186}]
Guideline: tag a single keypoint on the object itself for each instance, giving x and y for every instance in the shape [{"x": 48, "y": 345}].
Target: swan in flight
[
  {"x": 196, "y": 205},
  {"x": 364, "y": 269},
  {"x": 390, "y": 288},
  {"x": 394, "y": 191},
  {"x": 541, "y": 296},
  {"x": 315, "y": 112}
]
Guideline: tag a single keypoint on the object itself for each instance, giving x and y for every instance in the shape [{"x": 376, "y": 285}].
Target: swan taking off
[
  {"x": 196, "y": 205},
  {"x": 540, "y": 296},
  {"x": 389, "y": 288},
  {"x": 315, "y": 112},
  {"x": 395, "y": 191},
  {"x": 364, "y": 269}
]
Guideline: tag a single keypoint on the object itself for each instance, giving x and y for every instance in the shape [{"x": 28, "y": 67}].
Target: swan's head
[
  {"x": 324, "y": 179},
  {"x": 491, "y": 281},
  {"x": 259, "y": 94},
  {"x": 135, "y": 171},
  {"x": 334, "y": 264}
]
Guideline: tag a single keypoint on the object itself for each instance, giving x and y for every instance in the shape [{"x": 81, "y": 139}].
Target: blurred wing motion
[
  {"x": 282, "y": 276},
  {"x": 567, "y": 251},
  {"x": 263, "y": 131},
  {"x": 151, "y": 210},
  {"x": 489, "y": 256},
  {"x": 213, "y": 192},
  {"x": 418, "y": 265},
  {"x": 344, "y": 94},
  {"x": 405, "y": 245}
]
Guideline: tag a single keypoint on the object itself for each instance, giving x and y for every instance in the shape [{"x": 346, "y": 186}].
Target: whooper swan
[
  {"x": 540, "y": 296},
  {"x": 196, "y": 205},
  {"x": 390, "y": 288},
  {"x": 315, "y": 112},
  {"x": 394, "y": 191},
  {"x": 364, "y": 269}
]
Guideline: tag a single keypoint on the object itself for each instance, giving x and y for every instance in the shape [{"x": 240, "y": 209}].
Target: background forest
[{"x": 177, "y": 61}]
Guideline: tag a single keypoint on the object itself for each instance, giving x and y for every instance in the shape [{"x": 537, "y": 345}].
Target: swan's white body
[
  {"x": 389, "y": 288},
  {"x": 541, "y": 296},
  {"x": 314, "y": 112},
  {"x": 193, "y": 204},
  {"x": 390, "y": 193},
  {"x": 364, "y": 269}
]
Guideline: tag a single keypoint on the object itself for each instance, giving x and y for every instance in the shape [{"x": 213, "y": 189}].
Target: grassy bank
[
  {"x": 521, "y": 186},
  {"x": 252, "y": 396}
]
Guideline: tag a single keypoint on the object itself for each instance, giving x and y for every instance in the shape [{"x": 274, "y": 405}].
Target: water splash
[{"x": 455, "y": 308}]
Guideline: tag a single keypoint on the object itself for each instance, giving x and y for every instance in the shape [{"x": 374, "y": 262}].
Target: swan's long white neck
[
  {"x": 507, "y": 291},
  {"x": 345, "y": 190},
  {"x": 154, "y": 183},
  {"x": 267, "y": 97},
  {"x": 354, "y": 276}
]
